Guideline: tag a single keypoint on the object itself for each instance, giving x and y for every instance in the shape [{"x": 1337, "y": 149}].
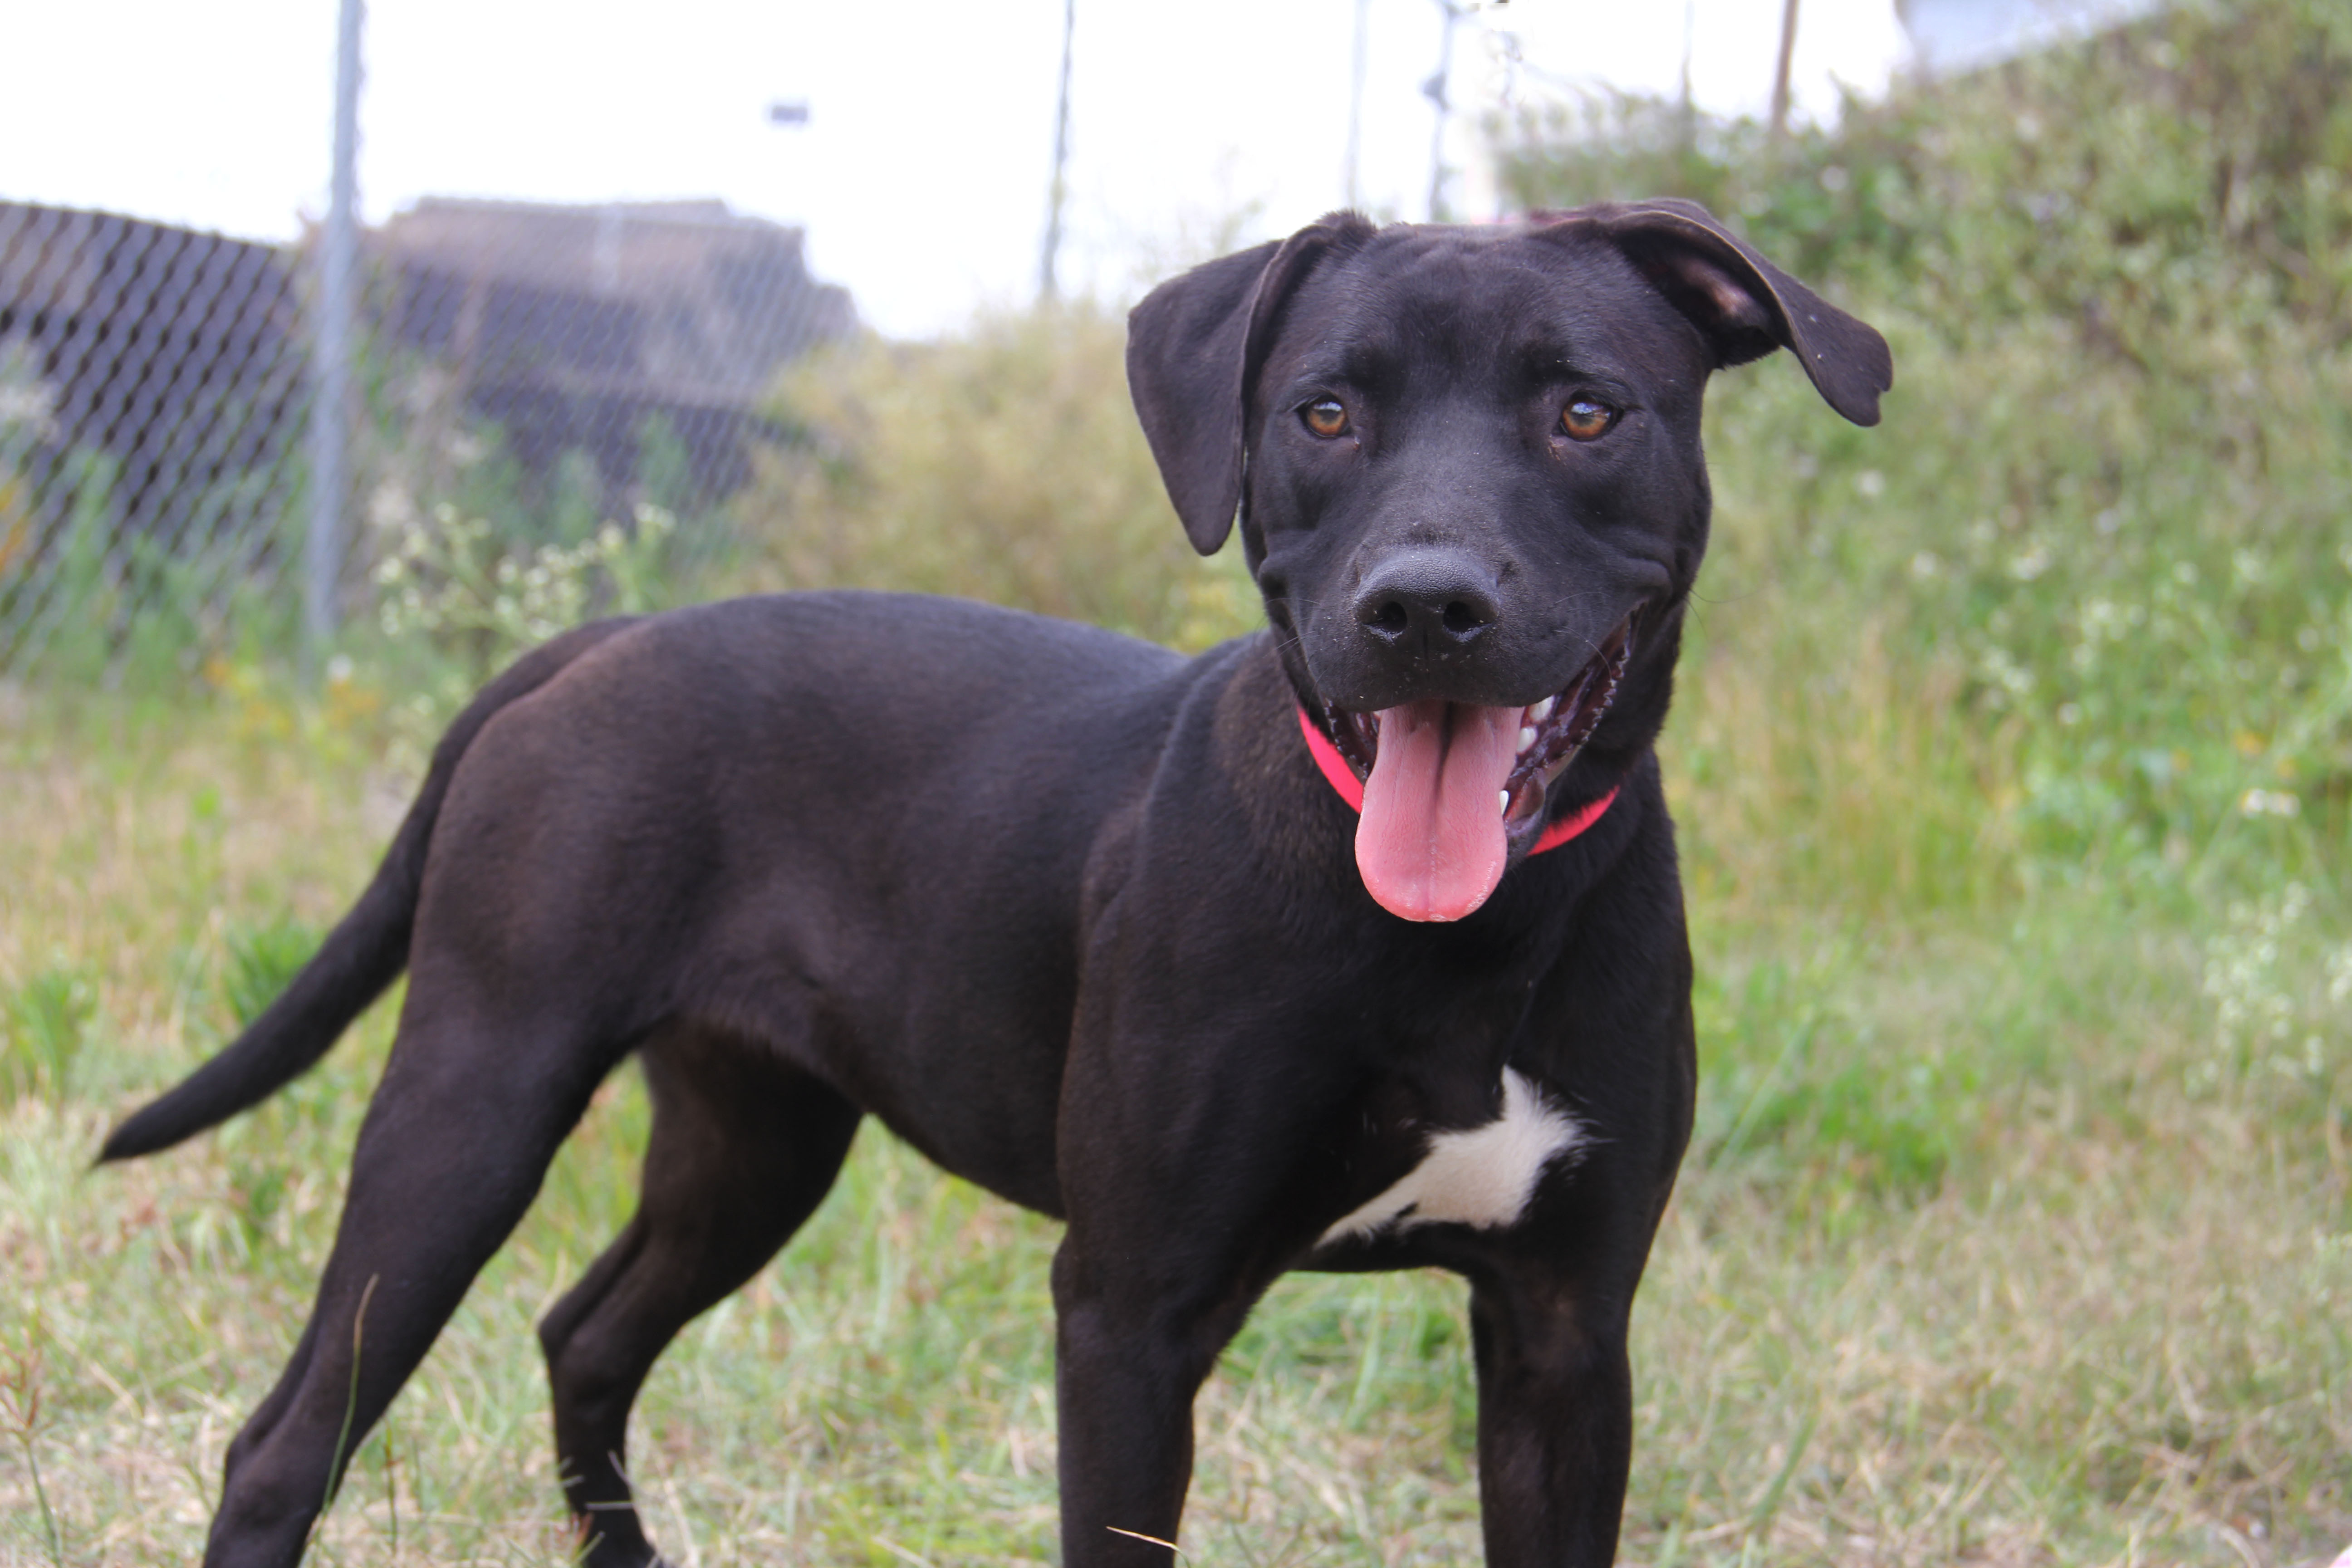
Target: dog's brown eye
[
  {"x": 1587, "y": 419},
  {"x": 1325, "y": 417}
]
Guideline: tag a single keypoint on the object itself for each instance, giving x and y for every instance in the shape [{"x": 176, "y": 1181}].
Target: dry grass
[
  {"x": 2101, "y": 1320},
  {"x": 2014, "y": 761}
]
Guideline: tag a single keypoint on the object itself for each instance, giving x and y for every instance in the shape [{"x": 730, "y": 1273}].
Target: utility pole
[
  {"x": 1048, "y": 286},
  {"x": 1433, "y": 89},
  {"x": 330, "y": 480},
  {"x": 1780, "y": 75},
  {"x": 1686, "y": 124},
  {"x": 1356, "y": 104}
]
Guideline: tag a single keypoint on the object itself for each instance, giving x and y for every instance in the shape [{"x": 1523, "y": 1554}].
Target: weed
[
  {"x": 45, "y": 1022},
  {"x": 260, "y": 962},
  {"x": 20, "y": 1411},
  {"x": 455, "y": 584},
  {"x": 2275, "y": 1016}
]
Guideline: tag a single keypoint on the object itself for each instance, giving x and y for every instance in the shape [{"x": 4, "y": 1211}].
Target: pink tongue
[{"x": 1431, "y": 844}]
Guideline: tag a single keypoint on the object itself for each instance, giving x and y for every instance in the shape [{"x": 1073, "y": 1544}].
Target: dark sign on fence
[
  {"x": 572, "y": 327},
  {"x": 155, "y": 381},
  {"x": 151, "y": 381}
]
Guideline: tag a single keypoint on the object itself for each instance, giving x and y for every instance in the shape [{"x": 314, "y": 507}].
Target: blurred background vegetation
[
  {"x": 2102, "y": 540},
  {"x": 2014, "y": 764}
]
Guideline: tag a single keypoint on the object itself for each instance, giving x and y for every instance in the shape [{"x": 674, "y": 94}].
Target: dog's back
[{"x": 660, "y": 804}]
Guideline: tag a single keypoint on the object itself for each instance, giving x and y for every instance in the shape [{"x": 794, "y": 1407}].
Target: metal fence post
[
  {"x": 331, "y": 339},
  {"x": 1049, "y": 288}
]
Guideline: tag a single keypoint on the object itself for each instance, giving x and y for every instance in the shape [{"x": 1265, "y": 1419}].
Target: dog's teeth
[
  {"x": 1506, "y": 802},
  {"x": 1526, "y": 738},
  {"x": 1539, "y": 713}
]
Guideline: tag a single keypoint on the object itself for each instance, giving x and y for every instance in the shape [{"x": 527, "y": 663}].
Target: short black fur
[{"x": 1075, "y": 917}]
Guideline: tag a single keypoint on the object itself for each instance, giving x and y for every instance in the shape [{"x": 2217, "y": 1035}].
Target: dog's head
[{"x": 1466, "y": 466}]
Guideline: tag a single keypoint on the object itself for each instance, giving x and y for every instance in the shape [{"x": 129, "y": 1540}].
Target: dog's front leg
[
  {"x": 1555, "y": 1420},
  {"x": 1131, "y": 1353},
  {"x": 1180, "y": 1146}
]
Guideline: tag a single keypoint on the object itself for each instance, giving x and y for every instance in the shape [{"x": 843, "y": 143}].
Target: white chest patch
[{"x": 1479, "y": 1177}]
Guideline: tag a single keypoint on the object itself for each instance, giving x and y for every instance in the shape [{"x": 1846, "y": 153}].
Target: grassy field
[
  {"x": 1988, "y": 1253},
  {"x": 2013, "y": 761}
]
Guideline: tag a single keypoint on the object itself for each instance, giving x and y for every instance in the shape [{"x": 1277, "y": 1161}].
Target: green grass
[
  {"x": 2013, "y": 766},
  {"x": 1989, "y": 1248}
]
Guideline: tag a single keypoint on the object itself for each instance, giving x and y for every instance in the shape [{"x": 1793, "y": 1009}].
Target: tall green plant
[
  {"x": 2081, "y": 607},
  {"x": 2187, "y": 171},
  {"x": 1005, "y": 466},
  {"x": 454, "y": 582},
  {"x": 43, "y": 1024}
]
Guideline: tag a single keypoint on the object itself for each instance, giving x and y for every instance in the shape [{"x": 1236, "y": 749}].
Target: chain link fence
[{"x": 540, "y": 371}]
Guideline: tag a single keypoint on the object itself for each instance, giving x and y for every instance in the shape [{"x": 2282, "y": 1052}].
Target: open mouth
[
  {"x": 1451, "y": 788},
  {"x": 1549, "y": 736}
]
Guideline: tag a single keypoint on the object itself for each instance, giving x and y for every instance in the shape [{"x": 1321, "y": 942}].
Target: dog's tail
[{"x": 365, "y": 952}]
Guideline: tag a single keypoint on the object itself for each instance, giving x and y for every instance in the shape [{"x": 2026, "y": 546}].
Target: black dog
[{"x": 1098, "y": 928}]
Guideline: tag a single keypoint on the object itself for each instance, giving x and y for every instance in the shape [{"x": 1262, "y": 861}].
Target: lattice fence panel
[{"x": 546, "y": 368}]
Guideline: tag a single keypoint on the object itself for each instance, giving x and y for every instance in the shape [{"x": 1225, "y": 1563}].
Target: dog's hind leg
[
  {"x": 452, "y": 1153},
  {"x": 742, "y": 1150}
]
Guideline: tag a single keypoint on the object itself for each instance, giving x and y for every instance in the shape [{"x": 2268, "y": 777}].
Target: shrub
[
  {"x": 261, "y": 961},
  {"x": 2081, "y": 607},
  {"x": 42, "y": 1026},
  {"x": 1007, "y": 466}
]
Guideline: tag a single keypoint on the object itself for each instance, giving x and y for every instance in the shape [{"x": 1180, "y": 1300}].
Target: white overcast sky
[{"x": 922, "y": 174}]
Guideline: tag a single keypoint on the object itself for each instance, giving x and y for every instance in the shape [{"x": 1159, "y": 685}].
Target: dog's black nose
[{"x": 1435, "y": 601}]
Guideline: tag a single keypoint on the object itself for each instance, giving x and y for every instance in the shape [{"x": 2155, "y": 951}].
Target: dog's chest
[{"x": 1482, "y": 1175}]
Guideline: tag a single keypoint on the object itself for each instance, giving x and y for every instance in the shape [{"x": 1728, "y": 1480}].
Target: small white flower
[{"x": 2268, "y": 803}]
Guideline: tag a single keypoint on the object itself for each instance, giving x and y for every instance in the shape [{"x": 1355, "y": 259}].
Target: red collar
[{"x": 1351, "y": 789}]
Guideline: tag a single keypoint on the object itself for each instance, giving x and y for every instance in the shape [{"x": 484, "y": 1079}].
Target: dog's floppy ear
[
  {"x": 1745, "y": 305},
  {"x": 1194, "y": 345}
]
